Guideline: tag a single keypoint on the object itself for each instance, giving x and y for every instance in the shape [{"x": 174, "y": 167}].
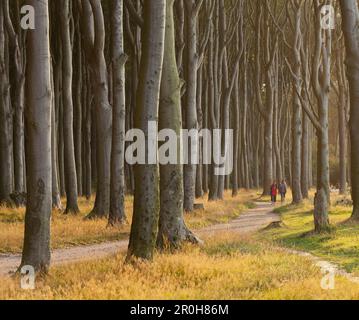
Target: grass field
[
  {"x": 226, "y": 267},
  {"x": 341, "y": 245},
  {"x": 68, "y": 230}
]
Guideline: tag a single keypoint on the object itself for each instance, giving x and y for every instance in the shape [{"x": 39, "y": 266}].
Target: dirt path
[{"x": 250, "y": 221}]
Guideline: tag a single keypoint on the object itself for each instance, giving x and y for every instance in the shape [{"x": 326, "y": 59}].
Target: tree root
[
  {"x": 95, "y": 215},
  {"x": 72, "y": 211},
  {"x": 116, "y": 223},
  {"x": 275, "y": 225}
]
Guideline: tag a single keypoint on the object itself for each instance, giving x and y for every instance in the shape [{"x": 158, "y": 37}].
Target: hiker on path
[
  {"x": 274, "y": 192},
  {"x": 282, "y": 190}
]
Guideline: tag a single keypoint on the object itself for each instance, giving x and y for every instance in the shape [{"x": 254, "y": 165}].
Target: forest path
[{"x": 250, "y": 221}]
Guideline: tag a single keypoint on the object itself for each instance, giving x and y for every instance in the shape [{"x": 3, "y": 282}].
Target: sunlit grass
[
  {"x": 226, "y": 267},
  {"x": 341, "y": 245},
  {"x": 69, "y": 230}
]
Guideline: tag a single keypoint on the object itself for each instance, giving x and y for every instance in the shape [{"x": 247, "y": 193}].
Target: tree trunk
[
  {"x": 172, "y": 228},
  {"x": 305, "y": 157},
  {"x": 17, "y": 98},
  {"x": 78, "y": 114},
  {"x": 95, "y": 44},
  {"x": 68, "y": 112},
  {"x": 36, "y": 250},
  {"x": 297, "y": 114},
  {"x": 56, "y": 198},
  {"x": 321, "y": 75},
  {"x": 296, "y": 148},
  {"x": 342, "y": 121},
  {"x": 351, "y": 29},
  {"x": 146, "y": 199},
  {"x": 117, "y": 197},
  {"x": 191, "y": 95},
  {"x": 5, "y": 139}
]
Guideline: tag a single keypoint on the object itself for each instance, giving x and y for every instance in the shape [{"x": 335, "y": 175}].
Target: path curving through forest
[{"x": 250, "y": 221}]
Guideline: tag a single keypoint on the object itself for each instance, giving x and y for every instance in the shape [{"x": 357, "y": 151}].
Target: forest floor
[
  {"x": 340, "y": 245},
  {"x": 234, "y": 263},
  {"x": 249, "y": 221},
  {"x": 73, "y": 230}
]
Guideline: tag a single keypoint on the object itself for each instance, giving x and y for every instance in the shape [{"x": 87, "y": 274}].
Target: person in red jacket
[{"x": 274, "y": 192}]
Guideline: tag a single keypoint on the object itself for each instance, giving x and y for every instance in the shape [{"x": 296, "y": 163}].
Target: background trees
[{"x": 265, "y": 69}]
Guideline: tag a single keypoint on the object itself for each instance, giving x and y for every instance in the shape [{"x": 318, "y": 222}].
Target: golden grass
[
  {"x": 226, "y": 267},
  {"x": 341, "y": 245},
  {"x": 69, "y": 230}
]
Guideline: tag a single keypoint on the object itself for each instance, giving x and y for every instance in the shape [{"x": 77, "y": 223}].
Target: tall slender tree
[
  {"x": 117, "y": 197},
  {"x": 192, "y": 8},
  {"x": 68, "y": 120},
  {"x": 94, "y": 44},
  {"x": 36, "y": 250},
  {"x": 144, "y": 227},
  {"x": 172, "y": 228},
  {"x": 6, "y": 185},
  {"x": 350, "y": 17}
]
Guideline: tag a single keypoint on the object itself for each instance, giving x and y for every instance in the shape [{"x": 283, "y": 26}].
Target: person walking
[
  {"x": 274, "y": 192},
  {"x": 283, "y": 190}
]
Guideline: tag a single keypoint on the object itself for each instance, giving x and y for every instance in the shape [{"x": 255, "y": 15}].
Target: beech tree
[
  {"x": 117, "y": 197},
  {"x": 266, "y": 48},
  {"x": 321, "y": 77},
  {"x": 172, "y": 228},
  {"x": 17, "y": 94},
  {"x": 5, "y": 134},
  {"x": 192, "y": 8},
  {"x": 146, "y": 205},
  {"x": 350, "y": 17},
  {"x": 36, "y": 250},
  {"x": 93, "y": 70},
  {"x": 69, "y": 149},
  {"x": 94, "y": 43}
]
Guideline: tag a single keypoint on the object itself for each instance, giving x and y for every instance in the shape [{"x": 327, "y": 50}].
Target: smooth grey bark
[
  {"x": 180, "y": 25},
  {"x": 297, "y": 110},
  {"x": 236, "y": 141},
  {"x": 228, "y": 78},
  {"x": 305, "y": 157},
  {"x": 57, "y": 70},
  {"x": 56, "y": 198},
  {"x": 117, "y": 190},
  {"x": 146, "y": 207},
  {"x": 199, "y": 170},
  {"x": 68, "y": 112},
  {"x": 94, "y": 30},
  {"x": 306, "y": 174},
  {"x": 321, "y": 83},
  {"x": 277, "y": 105},
  {"x": 172, "y": 228},
  {"x": 87, "y": 137},
  {"x": 17, "y": 97},
  {"x": 78, "y": 113},
  {"x": 245, "y": 125},
  {"x": 213, "y": 99},
  {"x": 36, "y": 249},
  {"x": 205, "y": 178},
  {"x": 256, "y": 157},
  {"x": 6, "y": 185},
  {"x": 350, "y": 25},
  {"x": 266, "y": 109},
  {"x": 192, "y": 8},
  {"x": 342, "y": 120},
  {"x": 223, "y": 119}
]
